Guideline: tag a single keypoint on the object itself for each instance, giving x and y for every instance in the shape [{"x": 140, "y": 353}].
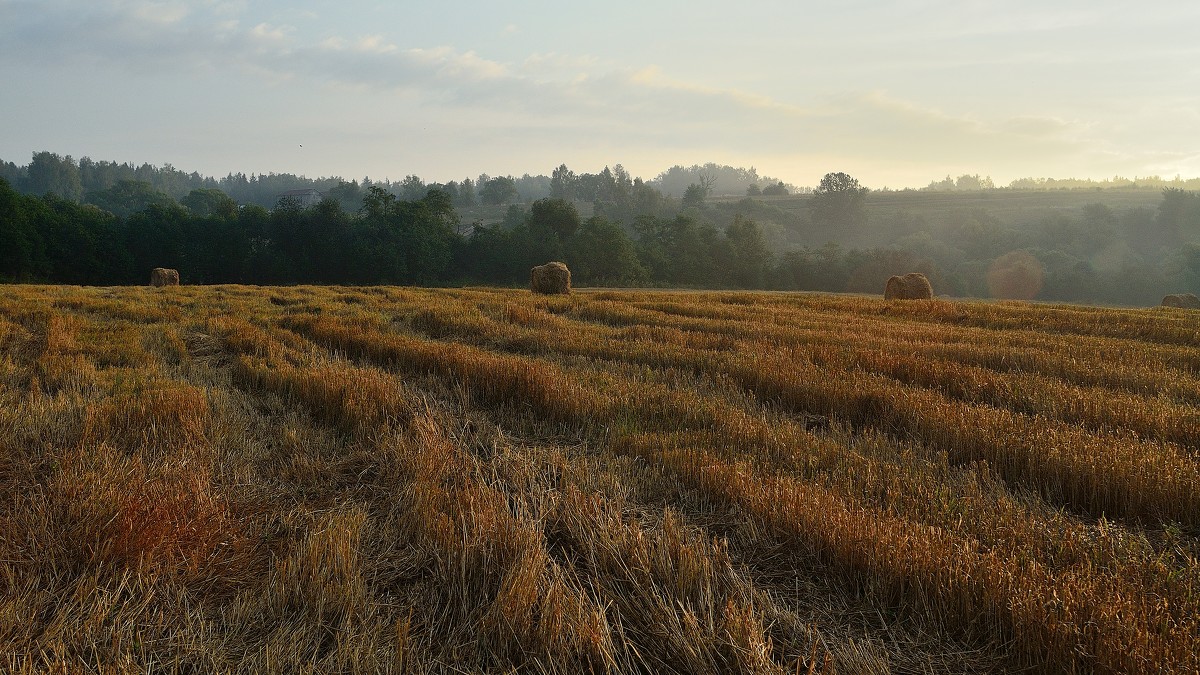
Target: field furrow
[
  {"x": 1099, "y": 472},
  {"x": 244, "y": 479}
]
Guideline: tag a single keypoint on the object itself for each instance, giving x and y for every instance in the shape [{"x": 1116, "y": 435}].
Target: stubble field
[{"x": 237, "y": 479}]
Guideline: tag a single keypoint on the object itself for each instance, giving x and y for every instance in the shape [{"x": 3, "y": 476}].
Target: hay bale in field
[
  {"x": 911, "y": 286},
  {"x": 161, "y": 276},
  {"x": 1182, "y": 301},
  {"x": 551, "y": 278}
]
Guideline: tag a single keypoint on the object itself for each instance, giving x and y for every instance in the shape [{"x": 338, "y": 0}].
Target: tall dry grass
[{"x": 235, "y": 479}]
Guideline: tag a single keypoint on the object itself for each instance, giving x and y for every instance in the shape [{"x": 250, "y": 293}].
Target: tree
[
  {"x": 974, "y": 182},
  {"x": 348, "y": 195},
  {"x": 868, "y": 270},
  {"x": 810, "y": 269},
  {"x": 530, "y": 188},
  {"x": 1183, "y": 267},
  {"x": 498, "y": 190},
  {"x": 717, "y": 179},
  {"x": 466, "y": 193},
  {"x": 50, "y": 174},
  {"x": 21, "y": 246},
  {"x": 562, "y": 183},
  {"x": 412, "y": 188},
  {"x": 776, "y": 190},
  {"x": 127, "y": 197},
  {"x": 451, "y": 190},
  {"x": 556, "y": 215},
  {"x": 753, "y": 190},
  {"x": 219, "y": 247},
  {"x": 406, "y": 241},
  {"x": 965, "y": 182},
  {"x": 83, "y": 243},
  {"x": 254, "y": 221},
  {"x": 9, "y": 171},
  {"x": 589, "y": 187},
  {"x": 606, "y": 184},
  {"x": 694, "y": 196},
  {"x": 622, "y": 184},
  {"x": 679, "y": 250},
  {"x": 1100, "y": 225},
  {"x": 839, "y": 201},
  {"x": 491, "y": 255},
  {"x": 601, "y": 253},
  {"x": 980, "y": 235},
  {"x": 156, "y": 237},
  {"x": 1178, "y": 216},
  {"x": 944, "y": 185},
  {"x": 378, "y": 202},
  {"x": 839, "y": 184},
  {"x": 210, "y": 203},
  {"x": 748, "y": 256}
]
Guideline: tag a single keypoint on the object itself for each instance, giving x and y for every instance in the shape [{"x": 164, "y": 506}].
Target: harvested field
[{"x": 238, "y": 479}]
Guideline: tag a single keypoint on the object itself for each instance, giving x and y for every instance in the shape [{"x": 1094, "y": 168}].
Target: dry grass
[{"x": 236, "y": 479}]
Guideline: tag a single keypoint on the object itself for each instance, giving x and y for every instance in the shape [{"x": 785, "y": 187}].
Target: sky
[{"x": 897, "y": 94}]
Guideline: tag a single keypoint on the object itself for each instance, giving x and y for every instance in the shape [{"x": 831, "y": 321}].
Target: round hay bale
[
  {"x": 894, "y": 289},
  {"x": 550, "y": 279},
  {"x": 162, "y": 276},
  {"x": 911, "y": 286},
  {"x": 1182, "y": 301}
]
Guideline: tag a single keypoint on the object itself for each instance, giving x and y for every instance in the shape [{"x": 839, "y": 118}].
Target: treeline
[
  {"x": 88, "y": 181},
  {"x": 975, "y": 182},
  {"x": 719, "y": 179},
  {"x": 837, "y": 237},
  {"x": 1090, "y": 252},
  {"x": 209, "y": 238}
]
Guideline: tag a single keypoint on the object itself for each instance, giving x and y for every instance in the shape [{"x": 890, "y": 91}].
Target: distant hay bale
[
  {"x": 161, "y": 276},
  {"x": 551, "y": 278},
  {"x": 911, "y": 286},
  {"x": 1182, "y": 301}
]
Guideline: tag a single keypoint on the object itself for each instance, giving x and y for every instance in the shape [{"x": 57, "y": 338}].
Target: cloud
[
  {"x": 553, "y": 65},
  {"x": 161, "y": 13},
  {"x": 226, "y": 7},
  {"x": 447, "y": 63},
  {"x": 373, "y": 44},
  {"x": 863, "y": 126},
  {"x": 553, "y": 103},
  {"x": 877, "y": 123},
  {"x": 137, "y": 35},
  {"x": 264, "y": 35},
  {"x": 1027, "y": 125}
]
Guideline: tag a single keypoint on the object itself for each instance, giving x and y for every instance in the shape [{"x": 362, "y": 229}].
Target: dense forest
[{"x": 88, "y": 222}]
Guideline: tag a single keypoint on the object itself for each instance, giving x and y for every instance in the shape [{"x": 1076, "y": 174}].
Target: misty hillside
[{"x": 102, "y": 223}]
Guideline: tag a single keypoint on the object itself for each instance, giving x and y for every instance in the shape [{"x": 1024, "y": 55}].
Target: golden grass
[{"x": 235, "y": 479}]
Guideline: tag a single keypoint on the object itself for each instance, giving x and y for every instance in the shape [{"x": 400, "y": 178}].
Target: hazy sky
[{"x": 895, "y": 93}]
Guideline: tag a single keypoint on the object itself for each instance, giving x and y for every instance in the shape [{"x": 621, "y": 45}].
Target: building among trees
[{"x": 303, "y": 198}]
